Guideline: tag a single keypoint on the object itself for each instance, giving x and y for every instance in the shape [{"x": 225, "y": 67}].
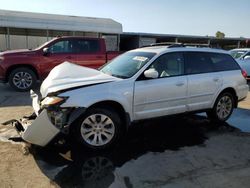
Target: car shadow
[{"x": 71, "y": 165}]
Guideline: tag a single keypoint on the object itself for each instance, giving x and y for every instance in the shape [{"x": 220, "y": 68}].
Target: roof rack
[
  {"x": 198, "y": 45},
  {"x": 176, "y": 45}
]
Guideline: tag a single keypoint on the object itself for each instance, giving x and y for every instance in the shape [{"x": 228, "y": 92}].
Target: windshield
[
  {"x": 126, "y": 65},
  {"x": 237, "y": 53},
  {"x": 44, "y": 44}
]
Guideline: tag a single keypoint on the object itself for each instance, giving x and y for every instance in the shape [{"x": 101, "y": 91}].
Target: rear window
[
  {"x": 204, "y": 62},
  {"x": 223, "y": 62}
]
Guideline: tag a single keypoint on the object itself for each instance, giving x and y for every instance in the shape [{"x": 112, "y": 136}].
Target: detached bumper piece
[
  {"x": 39, "y": 131},
  {"x": 15, "y": 123},
  {"x": 19, "y": 128}
]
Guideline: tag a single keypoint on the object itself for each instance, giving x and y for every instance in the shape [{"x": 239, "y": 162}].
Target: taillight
[{"x": 244, "y": 73}]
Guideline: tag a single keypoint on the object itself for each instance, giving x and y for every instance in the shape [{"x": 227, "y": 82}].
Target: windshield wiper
[{"x": 119, "y": 76}]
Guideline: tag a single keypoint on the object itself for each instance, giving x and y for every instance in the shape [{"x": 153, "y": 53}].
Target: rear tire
[
  {"x": 22, "y": 79},
  {"x": 223, "y": 107},
  {"x": 99, "y": 129}
]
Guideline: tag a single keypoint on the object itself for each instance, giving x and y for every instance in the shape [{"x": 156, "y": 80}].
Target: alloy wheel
[
  {"x": 224, "y": 107},
  {"x": 97, "y": 129},
  {"x": 22, "y": 80}
]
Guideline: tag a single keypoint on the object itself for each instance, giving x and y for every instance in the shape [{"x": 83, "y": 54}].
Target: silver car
[
  {"x": 242, "y": 56},
  {"x": 97, "y": 106}
]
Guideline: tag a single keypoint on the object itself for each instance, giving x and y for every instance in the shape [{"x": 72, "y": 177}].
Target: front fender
[{"x": 120, "y": 92}]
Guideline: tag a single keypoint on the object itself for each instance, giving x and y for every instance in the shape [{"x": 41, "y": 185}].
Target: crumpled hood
[{"x": 68, "y": 75}]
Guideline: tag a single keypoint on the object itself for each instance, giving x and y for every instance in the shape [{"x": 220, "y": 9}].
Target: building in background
[{"x": 29, "y": 30}]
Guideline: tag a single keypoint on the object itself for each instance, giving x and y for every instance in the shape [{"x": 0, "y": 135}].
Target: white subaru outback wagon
[{"x": 97, "y": 106}]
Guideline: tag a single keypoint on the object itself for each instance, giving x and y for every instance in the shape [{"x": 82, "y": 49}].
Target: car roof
[
  {"x": 162, "y": 49},
  {"x": 241, "y": 49},
  {"x": 77, "y": 37}
]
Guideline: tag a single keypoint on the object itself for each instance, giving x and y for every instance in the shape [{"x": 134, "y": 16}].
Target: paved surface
[{"x": 180, "y": 151}]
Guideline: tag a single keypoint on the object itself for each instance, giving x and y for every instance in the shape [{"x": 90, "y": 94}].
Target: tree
[{"x": 220, "y": 35}]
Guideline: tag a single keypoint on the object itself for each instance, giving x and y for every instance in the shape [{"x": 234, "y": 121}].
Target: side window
[
  {"x": 248, "y": 53},
  {"x": 198, "y": 62},
  {"x": 170, "y": 64},
  {"x": 86, "y": 46},
  {"x": 64, "y": 46},
  {"x": 222, "y": 62}
]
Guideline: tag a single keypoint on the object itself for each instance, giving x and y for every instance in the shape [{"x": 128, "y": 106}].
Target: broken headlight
[
  {"x": 52, "y": 101},
  {"x": 59, "y": 117}
]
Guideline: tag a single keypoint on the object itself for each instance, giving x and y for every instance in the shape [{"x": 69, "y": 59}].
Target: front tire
[
  {"x": 22, "y": 79},
  {"x": 223, "y": 107},
  {"x": 99, "y": 128}
]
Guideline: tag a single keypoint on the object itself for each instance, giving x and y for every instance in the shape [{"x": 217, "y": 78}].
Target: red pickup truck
[{"x": 22, "y": 68}]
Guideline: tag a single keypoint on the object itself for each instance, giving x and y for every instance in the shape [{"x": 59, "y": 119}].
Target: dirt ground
[
  {"x": 222, "y": 162},
  {"x": 16, "y": 168},
  {"x": 19, "y": 170}
]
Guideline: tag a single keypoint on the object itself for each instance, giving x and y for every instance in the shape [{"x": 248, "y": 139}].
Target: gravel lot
[{"x": 182, "y": 151}]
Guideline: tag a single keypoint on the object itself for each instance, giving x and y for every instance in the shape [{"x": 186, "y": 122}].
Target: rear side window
[
  {"x": 86, "y": 46},
  {"x": 205, "y": 62},
  {"x": 198, "y": 62},
  {"x": 223, "y": 62},
  {"x": 237, "y": 53}
]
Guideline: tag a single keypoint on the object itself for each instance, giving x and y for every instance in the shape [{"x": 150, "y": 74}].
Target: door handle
[{"x": 179, "y": 84}]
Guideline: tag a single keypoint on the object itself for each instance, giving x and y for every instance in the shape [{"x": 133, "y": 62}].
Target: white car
[
  {"x": 242, "y": 56},
  {"x": 97, "y": 106}
]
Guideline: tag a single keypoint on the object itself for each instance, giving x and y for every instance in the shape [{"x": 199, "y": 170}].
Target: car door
[
  {"x": 164, "y": 95},
  {"x": 203, "y": 81},
  {"x": 58, "y": 52},
  {"x": 89, "y": 53}
]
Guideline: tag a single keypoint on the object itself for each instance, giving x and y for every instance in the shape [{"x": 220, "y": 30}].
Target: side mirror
[
  {"x": 45, "y": 51},
  {"x": 247, "y": 57},
  {"x": 151, "y": 73}
]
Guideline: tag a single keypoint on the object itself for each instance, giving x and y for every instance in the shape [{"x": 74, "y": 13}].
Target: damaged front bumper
[
  {"x": 37, "y": 128},
  {"x": 39, "y": 131},
  {"x": 46, "y": 123}
]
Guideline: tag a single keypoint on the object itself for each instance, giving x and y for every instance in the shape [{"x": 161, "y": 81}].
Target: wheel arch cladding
[
  {"x": 11, "y": 68},
  {"x": 113, "y": 105}
]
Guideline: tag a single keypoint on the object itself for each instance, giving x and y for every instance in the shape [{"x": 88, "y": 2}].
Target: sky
[{"x": 185, "y": 17}]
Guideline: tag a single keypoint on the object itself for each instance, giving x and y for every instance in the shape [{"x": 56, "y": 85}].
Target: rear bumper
[{"x": 242, "y": 91}]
